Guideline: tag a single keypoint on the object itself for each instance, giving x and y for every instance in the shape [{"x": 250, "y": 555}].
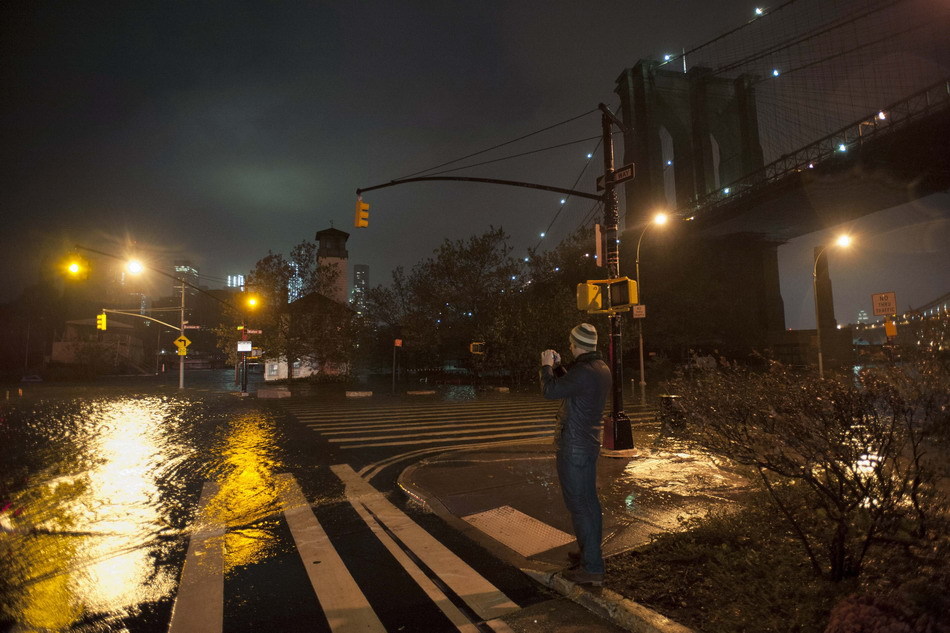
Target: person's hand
[{"x": 547, "y": 358}]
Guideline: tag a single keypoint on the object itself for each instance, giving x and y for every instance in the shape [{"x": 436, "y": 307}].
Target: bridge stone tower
[{"x": 690, "y": 134}]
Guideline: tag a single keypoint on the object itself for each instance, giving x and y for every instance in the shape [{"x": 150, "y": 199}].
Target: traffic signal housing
[
  {"x": 361, "y": 218},
  {"x": 476, "y": 347},
  {"x": 606, "y": 296},
  {"x": 101, "y": 321}
]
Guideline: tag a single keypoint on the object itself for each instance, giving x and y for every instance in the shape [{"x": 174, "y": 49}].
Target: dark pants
[{"x": 577, "y": 473}]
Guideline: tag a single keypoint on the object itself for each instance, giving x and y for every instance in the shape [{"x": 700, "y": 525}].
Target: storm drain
[{"x": 520, "y": 532}]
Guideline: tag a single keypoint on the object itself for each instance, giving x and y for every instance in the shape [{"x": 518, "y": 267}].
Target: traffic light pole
[
  {"x": 181, "y": 357},
  {"x": 618, "y": 434}
]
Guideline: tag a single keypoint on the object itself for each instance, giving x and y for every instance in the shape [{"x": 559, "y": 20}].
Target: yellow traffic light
[
  {"x": 362, "y": 214},
  {"x": 77, "y": 267},
  {"x": 607, "y": 295},
  {"x": 101, "y": 321}
]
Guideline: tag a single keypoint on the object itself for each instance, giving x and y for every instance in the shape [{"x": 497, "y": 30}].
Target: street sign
[
  {"x": 254, "y": 331},
  {"x": 182, "y": 342},
  {"x": 245, "y": 346},
  {"x": 192, "y": 327},
  {"x": 621, "y": 174},
  {"x": 182, "y": 351},
  {"x": 884, "y": 303},
  {"x": 640, "y": 311}
]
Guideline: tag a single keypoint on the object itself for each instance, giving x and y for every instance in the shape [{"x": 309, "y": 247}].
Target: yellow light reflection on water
[
  {"x": 82, "y": 543},
  {"x": 247, "y": 490}
]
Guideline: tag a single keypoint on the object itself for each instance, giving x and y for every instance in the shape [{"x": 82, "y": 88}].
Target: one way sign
[{"x": 621, "y": 174}]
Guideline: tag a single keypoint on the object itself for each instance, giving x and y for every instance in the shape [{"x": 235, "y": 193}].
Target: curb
[
  {"x": 610, "y": 605},
  {"x": 603, "y": 602}
]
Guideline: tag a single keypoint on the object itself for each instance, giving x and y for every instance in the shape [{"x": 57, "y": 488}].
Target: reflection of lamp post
[
  {"x": 250, "y": 303},
  {"x": 659, "y": 219},
  {"x": 843, "y": 241}
]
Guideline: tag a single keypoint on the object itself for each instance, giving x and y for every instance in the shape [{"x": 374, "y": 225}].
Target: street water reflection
[{"x": 98, "y": 496}]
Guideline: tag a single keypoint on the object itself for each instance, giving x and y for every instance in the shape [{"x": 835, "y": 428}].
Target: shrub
[{"x": 844, "y": 460}]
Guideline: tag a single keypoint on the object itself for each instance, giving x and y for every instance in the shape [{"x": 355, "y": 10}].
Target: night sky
[{"x": 217, "y": 131}]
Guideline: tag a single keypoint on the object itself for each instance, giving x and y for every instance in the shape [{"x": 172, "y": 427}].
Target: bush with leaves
[{"x": 845, "y": 461}]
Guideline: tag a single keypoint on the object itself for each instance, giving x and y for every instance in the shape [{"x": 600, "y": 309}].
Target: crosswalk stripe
[
  {"x": 412, "y": 433},
  {"x": 371, "y": 470},
  {"x": 346, "y": 608},
  {"x": 344, "y": 429},
  {"x": 445, "y": 416},
  {"x": 425, "y": 583},
  {"x": 486, "y": 600},
  {"x": 199, "y": 602},
  {"x": 539, "y": 434}
]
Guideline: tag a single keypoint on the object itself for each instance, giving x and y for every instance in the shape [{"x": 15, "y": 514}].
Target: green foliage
[{"x": 474, "y": 290}]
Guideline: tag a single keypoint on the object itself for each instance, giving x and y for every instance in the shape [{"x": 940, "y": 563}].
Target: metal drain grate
[{"x": 522, "y": 533}]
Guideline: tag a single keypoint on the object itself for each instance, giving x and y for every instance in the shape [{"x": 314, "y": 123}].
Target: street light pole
[
  {"x": 621, "y": 432},
  {"x": 842, "y": 241},
  {"x": 660, "y": 218}
]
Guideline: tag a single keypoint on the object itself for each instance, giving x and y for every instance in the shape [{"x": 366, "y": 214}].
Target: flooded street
[{"x": 98, "y": 491}]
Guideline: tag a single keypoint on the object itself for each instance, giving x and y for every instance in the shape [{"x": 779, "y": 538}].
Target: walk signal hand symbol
[{"x": 362, "y": 214}]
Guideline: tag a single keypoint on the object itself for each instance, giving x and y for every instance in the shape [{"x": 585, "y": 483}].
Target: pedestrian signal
[
  {"x": 362, "y": 214},
  {"x": 477, "y": 347},
  {"x": 101, "y": 321},
  {"x": 607, "y": 295}
]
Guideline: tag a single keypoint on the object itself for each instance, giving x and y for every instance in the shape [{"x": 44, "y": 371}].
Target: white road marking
[
  {"x": 371, "y": 470},
  {"x": 346, "y": 608},
  {"x": 199, "y": 602},
  {"x": 486, "y": 600},
  {"x": 540, "y": 434},
  {"x": 446, "y": 434}
]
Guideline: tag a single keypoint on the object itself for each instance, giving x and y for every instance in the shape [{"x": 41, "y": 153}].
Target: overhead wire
[{"x": 494, "y": 147}]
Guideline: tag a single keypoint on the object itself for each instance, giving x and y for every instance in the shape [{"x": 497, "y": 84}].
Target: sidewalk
[{"x": 508, "y": 500}]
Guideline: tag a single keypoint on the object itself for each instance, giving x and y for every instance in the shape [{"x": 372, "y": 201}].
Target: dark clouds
[{"x": 218, "y": 130}]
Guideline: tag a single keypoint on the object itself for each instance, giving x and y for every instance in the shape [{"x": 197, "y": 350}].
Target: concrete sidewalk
[{"x": 507, "y": 499}]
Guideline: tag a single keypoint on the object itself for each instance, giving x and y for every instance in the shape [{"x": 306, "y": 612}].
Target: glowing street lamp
[
  {"x": 843, "y": 241},
  {"x": 135, "y": 267},
  {"x": 658, "y": 220}
]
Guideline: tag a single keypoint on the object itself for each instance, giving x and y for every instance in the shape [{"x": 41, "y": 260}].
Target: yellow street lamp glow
[
  {"x": 660, "y": 218},
  {"x": 135, "y": 267},
  {"x": 252, "y": 301},
  {"x": 843, "y": 241},
  {"x": 73, "y": 268}
]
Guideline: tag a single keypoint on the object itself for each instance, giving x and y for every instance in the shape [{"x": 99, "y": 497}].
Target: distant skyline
[{"x": 217, "y": 132}]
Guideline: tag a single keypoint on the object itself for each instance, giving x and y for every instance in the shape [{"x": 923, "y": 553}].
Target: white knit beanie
[{"x": 585, "y": 336}]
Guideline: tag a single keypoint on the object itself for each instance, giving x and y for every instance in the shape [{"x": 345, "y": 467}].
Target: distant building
[
  {"x": 332, "y": 252},
  {"x": 185, "y": 270},
  {"x": 236, "y": 281},
  {"x": 360, "y": 287},
  {"x": 294, "y": 284}
]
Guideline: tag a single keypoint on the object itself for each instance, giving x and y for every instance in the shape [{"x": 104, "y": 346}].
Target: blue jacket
[{"x": 584, "y": 390}]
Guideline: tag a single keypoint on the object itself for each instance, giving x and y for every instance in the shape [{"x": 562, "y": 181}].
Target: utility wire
[
  {"x": 504, "y": 158},
  {"x": 520, "y": 138}
]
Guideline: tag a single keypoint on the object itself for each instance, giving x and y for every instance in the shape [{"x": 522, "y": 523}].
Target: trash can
[{"x": 672, "y": 417}]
